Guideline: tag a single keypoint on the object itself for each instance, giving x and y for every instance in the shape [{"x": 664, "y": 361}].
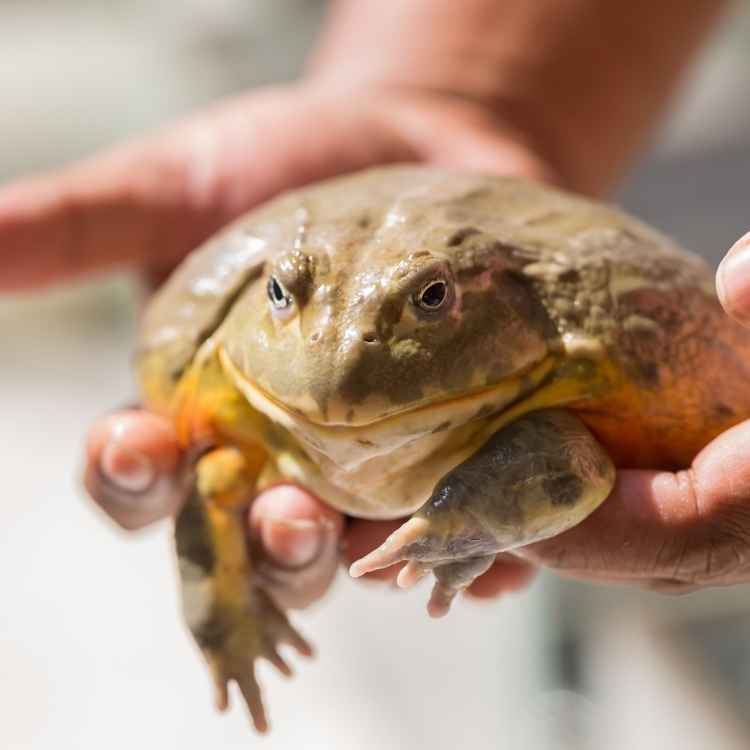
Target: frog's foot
[
  {"x": 533, "y": 479},
  {"x": 233, "y": 641},
  {"x": 455, "y": 560}
]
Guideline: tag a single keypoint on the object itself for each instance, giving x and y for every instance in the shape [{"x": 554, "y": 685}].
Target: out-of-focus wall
[
  {"x": 692, "y": 185},
  {"x": 77, "y": 75}
]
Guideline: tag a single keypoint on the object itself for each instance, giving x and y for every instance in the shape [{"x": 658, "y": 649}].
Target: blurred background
[{"x": 92, "y": 650}]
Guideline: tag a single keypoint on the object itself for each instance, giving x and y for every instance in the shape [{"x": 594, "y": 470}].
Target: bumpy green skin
[{"x": 572, "y": 338}]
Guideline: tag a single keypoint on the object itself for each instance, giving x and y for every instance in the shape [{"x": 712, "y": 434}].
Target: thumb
[{"x": 733, "y": 281}]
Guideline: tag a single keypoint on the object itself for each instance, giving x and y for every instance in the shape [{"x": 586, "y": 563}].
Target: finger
[
  {"x": 129, "y": 207},
  {"x": 733, "y": 281},
  {"x": 299, "y": 537},
  {"x": 361, "y": 537},
  {"x": 133, "y": 468},
  {"x": 507, "y": 574},
  {"x": 151, "y": 202},
  {"x": 692, "y": 527}
]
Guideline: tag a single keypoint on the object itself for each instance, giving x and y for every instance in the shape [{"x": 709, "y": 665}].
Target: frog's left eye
[
  {"x": 278, "y": 295},
  {"x": 432, "y": 296}
]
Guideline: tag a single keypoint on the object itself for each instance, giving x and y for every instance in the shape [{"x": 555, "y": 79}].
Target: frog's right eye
[{"x": 278, "y": 295}]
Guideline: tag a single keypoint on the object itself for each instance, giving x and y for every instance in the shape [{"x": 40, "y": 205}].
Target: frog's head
[{"x": 386, "y": 316}]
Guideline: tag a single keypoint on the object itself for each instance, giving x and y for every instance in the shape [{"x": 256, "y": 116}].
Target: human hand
[
  {"x": 672, "y": 532},
  {"x": 149, "y": 203}
]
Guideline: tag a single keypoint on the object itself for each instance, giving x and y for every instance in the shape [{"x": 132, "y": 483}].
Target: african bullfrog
[{"x": 477, "y": 352}]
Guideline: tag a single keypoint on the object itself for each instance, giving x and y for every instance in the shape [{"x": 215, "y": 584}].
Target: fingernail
[
  {"x": 292, "y": 543},
  {"x": 733, "y": 280},
  {"x": 125, "y": 468}
]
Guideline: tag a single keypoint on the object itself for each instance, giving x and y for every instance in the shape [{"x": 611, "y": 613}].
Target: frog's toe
[
  {"x": 440, "y": 601},
  {"x": 395, "y": 548},
  {"x": 452, "y": 578},
  {"x": 412, "y": 573},
  {"x": 250, "y": 690},
  {"x": 224, "y": 668},
  {"x": 220, "y": 679},
  {"x": 279, "y": 630},
  {"x": 274, "y": 657}
]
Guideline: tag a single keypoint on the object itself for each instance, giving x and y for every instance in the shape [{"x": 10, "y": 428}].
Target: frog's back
[
  {"x": 607, "y": 283},
  {"x": 678, "y": 368}
]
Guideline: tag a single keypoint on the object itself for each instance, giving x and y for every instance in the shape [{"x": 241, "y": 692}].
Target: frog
[{"x": 475, "y": 354}]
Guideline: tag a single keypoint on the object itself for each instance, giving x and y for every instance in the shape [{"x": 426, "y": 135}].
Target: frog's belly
[{"x": 385, "y": 486}]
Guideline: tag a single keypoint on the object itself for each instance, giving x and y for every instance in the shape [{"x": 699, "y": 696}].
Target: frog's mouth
[{"x": 424, "y": 418}]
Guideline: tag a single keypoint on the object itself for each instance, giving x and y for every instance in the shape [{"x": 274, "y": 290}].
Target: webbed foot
[{"x": 233, "y": 640}]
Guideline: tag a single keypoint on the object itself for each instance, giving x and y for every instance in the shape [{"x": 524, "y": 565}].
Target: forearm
[{"x": 583, "y": 80}]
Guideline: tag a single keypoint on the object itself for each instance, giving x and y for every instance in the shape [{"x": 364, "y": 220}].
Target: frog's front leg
[
  {"x": 233, "y": 621},
  {"x": 533, "y": 479}
]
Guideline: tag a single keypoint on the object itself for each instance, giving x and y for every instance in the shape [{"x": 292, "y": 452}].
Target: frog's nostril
[{"x": 370, "y": 337}]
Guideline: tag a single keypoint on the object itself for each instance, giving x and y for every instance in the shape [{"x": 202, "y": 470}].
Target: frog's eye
[
  {"x": 432, "y": 296},
  {"x": 278, "y": 295}
]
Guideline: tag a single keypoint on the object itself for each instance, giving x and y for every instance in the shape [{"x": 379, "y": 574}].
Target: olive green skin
[{"x": 378, "y": 398}]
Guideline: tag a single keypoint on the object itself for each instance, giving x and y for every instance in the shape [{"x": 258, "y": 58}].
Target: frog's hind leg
[
  {"x": 232, "y": 619},
  {"x": 534, "y": 478}
]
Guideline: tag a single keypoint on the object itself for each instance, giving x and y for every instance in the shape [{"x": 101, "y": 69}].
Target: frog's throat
[{"x": 550, "y": 382}]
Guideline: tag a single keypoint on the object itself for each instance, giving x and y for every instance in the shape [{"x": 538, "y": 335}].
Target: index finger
[{"x": 108, "y": 212}]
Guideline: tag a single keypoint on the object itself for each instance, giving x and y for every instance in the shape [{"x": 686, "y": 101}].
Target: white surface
[{"x": 651, "y": 696}]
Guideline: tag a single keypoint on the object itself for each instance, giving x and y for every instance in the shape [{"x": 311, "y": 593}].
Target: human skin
[{"x": 564, "y": 91}]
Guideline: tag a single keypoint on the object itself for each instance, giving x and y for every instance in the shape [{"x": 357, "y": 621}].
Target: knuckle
[
  {"x": 717, "y": 549},
  {"x": 725, "y": 558}
]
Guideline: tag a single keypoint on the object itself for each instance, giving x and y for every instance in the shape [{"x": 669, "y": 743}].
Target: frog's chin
[{"x": 387, "y": 433}]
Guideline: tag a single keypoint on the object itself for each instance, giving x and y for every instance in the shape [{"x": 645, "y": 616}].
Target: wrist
[
  {"x": 439, "y": 54},
  {"x": 430, "y": 46},
  {"x": 584, "y": 82}
]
